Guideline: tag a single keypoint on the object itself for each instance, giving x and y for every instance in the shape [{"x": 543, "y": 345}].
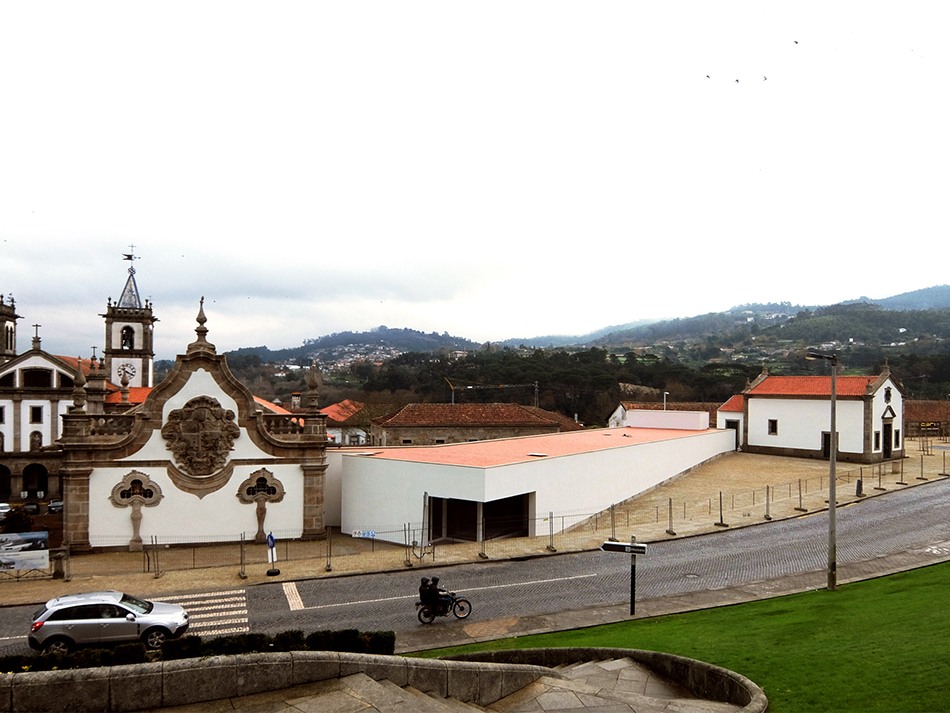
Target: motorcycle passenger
[
  {"x": 440, "y": 596},
  {"x": 425, "y": 591}
]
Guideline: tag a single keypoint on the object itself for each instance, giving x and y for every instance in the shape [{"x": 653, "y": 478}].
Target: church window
[
  {"x": 877, "y": 440},
  {"x": 36, "y": 414},
  {"x": 37, "y": 378},
  {"x": 7, "y": 380},
  {"x": 773, "y": 426},
  {"x": 2, "y": 415}
]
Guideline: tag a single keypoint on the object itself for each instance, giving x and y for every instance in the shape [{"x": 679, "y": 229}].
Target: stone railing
[{"x": 481, "y": 678}]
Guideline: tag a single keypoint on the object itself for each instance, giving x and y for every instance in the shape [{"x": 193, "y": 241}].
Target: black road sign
[{"x": 630, "y": 548}]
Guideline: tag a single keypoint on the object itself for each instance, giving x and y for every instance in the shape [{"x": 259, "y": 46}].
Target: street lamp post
[
  {"x": 832, "y": 477},
  {"x": 665, "y": 394}
]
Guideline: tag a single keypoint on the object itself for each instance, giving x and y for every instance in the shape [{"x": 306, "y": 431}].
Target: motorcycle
[{"x": 460, "y": 606}]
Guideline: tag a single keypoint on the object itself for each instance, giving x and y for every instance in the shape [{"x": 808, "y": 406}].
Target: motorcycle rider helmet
[
  {"x": 425, "y": 580},
  {"x": 435, "y": 580}
]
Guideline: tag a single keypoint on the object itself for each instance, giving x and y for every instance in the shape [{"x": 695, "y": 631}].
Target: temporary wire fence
[{"x": 648, "y": 516}]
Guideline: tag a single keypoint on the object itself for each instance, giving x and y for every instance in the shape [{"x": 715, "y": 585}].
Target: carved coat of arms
[{"x": 201, "y": 435}]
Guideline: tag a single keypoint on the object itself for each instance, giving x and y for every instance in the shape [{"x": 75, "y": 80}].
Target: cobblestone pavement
[{"x": 737, "y": 489}]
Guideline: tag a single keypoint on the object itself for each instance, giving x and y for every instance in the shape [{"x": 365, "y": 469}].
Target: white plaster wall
[
  {"x": 723, "y": 416},
  {"x": 181, "y": 516},
  {"x": 6, "y": 427},
  {"x": 384, "y": 495},
  {"x": 683, "y": 420},
  {"x": 801, "y": 422},
  {"x": 332, "y": 488},
  {"x": 26, "y": 428}
]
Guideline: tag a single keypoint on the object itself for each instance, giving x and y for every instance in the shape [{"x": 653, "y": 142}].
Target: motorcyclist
[{"x": 440, "y": 596}]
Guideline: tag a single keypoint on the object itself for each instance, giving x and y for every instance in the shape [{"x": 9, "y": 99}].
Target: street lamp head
[{"x": 813, "y": 354}]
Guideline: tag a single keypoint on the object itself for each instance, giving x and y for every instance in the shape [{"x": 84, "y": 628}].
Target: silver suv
[{"x": 103, "y": 618}]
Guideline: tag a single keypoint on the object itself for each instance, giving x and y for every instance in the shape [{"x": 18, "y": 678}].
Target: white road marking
[{"x": 293, "y": 596}]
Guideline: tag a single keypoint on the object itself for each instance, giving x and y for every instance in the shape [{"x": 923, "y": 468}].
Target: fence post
[
  {"x": 551, "y": 547},
  {"x": 880, "y": 474},
  {"x": 669, "y": 530},
  {"x": 901, "y": 481},
  {"x": 155, "y": 548},
  {"x": 329, "y": 564},
  {"x": 242, "y": 573},
  {"x": 801, "y": 506},
  {"x": 921, "y": 476},
  {"x": 768, "y": 514},
  {"x": 721, "y": 523},
  {"x": 613, "y": 524}
]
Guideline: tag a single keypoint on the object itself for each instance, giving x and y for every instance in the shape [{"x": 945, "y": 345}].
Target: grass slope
[{"x": 879, "y": 645}]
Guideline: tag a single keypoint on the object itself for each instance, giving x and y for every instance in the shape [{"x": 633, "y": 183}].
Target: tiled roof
[
  {"x": 342, "y": 410},
  {"x": 423, "y": 415},
  {"x": 735, "y": 403},
  {"x": 137, "y": 394},
  {"x": 506, "y": 451},
  {"x": 819, "y": 386},
  {"x": 927, "y": 411}
]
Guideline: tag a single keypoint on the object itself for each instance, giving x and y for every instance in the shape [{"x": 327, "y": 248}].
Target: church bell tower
[
  {"x": 8, "y": 318},
  {"x": 129, "y": 354}
]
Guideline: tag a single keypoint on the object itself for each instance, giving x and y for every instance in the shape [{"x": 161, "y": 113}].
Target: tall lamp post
[{"x": 832, "y": 448}]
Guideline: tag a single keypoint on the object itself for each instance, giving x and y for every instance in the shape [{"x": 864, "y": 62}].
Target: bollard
[{"x": 859, "y": 488}]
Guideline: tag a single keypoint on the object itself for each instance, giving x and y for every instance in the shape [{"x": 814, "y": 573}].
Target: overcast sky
[{"x": 488, "y": 169}]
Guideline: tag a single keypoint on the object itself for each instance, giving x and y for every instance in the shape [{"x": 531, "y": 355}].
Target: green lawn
[{"x": 879, "y": 645}]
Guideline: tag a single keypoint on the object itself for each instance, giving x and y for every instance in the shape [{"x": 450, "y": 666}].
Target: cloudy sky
[{"x": 490, "y": 169}]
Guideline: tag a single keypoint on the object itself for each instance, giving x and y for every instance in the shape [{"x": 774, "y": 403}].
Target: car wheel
[
  {"x": 57, "y": 646},
  {"x": 154, "y": 638}
]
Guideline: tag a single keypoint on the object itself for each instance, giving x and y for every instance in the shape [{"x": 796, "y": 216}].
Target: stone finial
[
  {"x": 201, "y": 343},
  {"x": 314, "y": 381}
]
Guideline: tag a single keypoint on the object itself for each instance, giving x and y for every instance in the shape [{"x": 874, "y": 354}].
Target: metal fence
[{"x": 647, "y": 515}]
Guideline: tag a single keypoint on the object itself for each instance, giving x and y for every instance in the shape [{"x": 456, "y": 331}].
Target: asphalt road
[{"x": 908, "y": 520}]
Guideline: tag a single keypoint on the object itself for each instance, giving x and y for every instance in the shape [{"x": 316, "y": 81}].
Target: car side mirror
[{"x": 130, "y": 617}]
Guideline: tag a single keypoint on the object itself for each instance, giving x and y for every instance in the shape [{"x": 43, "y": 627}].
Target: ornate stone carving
[
  {"x": 136, "y": 490},
  {"x": 261, "y": 488},
  {"x": 201, "y": 435}
]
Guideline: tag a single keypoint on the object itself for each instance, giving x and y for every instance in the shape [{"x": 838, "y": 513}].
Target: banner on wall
[{"x": 24, "y": 550}]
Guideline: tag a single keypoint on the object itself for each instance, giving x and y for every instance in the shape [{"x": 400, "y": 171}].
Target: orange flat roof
[{"x": 507, "y": 451}]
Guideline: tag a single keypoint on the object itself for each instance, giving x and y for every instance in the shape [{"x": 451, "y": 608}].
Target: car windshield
[{"x": 139, "y": 606}]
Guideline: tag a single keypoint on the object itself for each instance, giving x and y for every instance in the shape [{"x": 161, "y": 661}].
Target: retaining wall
[{"x": 477, "y": 678}]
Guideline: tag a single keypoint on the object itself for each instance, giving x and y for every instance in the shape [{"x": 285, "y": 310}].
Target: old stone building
[{"x": 429, "y": 424}]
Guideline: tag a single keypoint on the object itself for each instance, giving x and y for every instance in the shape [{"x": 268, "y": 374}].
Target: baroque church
[{"x": 193, "y": 458}]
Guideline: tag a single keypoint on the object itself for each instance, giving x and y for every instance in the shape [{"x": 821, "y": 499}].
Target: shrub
[
  {"x": 292, "y": 640},
  {"x": 187, "y": 647},
  {"x": 379, "y": 642},
  {"x": 320, "y": 640},
  {"x": 129, "y": 653}
]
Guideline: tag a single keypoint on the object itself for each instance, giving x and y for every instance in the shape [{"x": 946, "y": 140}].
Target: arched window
[{"x": 128, "y": 337}]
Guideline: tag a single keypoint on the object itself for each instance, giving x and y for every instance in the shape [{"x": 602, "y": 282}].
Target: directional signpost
[
  {"x": 633, "y": 549},
  {"x": 272, "y": 555}
]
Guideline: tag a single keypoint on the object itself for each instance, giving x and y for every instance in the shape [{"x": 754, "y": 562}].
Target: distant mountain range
[{"x": 385, "y": 340}]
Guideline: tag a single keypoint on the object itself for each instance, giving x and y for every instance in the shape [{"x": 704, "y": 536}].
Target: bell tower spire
[{"x": 129, "y": 352}]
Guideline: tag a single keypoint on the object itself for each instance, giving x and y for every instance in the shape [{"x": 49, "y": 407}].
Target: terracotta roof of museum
[
  {"x": 507, "y": 451},
  {"x": 422, "y": 415}
]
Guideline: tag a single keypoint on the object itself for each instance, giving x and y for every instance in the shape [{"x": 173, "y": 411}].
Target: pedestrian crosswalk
[{"x": 214, "y": 613}]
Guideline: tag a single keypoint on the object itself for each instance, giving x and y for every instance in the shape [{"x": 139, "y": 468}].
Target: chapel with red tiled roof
[{"x": 791, "y": 416}]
